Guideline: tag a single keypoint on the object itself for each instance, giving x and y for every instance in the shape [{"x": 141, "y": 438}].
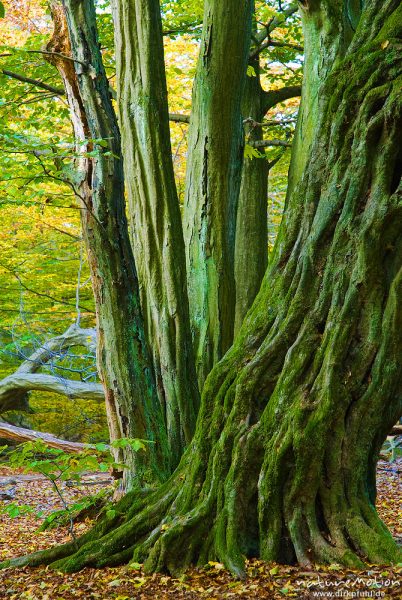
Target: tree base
[{"x": 162, "y": 531}]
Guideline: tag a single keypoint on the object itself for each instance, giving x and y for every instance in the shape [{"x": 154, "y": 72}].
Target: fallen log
[
  {"x": 16, "y": 383},
  {"x": 15, "y": 388},
  {"x": 20, "y": 434}
]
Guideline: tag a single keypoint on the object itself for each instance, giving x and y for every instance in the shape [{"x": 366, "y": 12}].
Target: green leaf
[
  {"x": 13, "y": 511},
  {"x": 101, "y": 447},
  {"x": 251, "y": 71},
  {"x": 250, "y": 152},
  {"x": 137, "y": 445},
  {"x": 2, "y": 11}
]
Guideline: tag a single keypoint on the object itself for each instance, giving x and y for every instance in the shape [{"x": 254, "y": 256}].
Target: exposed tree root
[{"x": 159, "y": 531}]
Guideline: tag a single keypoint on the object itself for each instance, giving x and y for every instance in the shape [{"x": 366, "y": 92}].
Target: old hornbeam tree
[
  {"x": 251, "y": 242},
  {"x": 282, "y": 463},
  {"x": 124, "y": 364},
  {"x": 155, "y": 213},
  {"x": 214, "y": 166}
]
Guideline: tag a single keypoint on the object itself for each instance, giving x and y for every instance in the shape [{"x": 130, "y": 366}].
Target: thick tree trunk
[
  {"x": 213, "y": 178},
  {"x": 292, "y": 419},
  {"x": 155, "y": 214},
  {"x": 124, "y": 363}
]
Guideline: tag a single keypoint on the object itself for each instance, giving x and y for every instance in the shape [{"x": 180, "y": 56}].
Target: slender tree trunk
[
  {"x": 251, "y": 244},
  {"x": 124, "y": 364},
  {"x": 282, "y": 465},
  {"x": 213, "y": 178},
  {"x": 154, "y": 211},
  {"x": 251, "y": 248}
]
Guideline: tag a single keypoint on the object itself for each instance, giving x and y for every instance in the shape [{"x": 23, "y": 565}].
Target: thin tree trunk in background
[
  {"x": 251, "y": 245},
  {"x": 154, "y": 213},
  {"x": 251, "y": 248},
  {"x": 124, "y": 364},
  {"x": 214, "y": 164}
]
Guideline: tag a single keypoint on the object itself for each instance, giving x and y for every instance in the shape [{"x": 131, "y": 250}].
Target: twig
[
  {"x": 269, "y": 143},
  {"x": 66, "y": 508},
  {"x": 59, "y": 54},
  {"x": 179, "y": 118},
  {"x": 275, "y": 44},
  {"x": 35, "y": 82},
  {"x": 271, "y": 123}
]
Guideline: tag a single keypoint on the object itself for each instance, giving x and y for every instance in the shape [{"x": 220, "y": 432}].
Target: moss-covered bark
[
  {"x": 251, "y": 241},
  {"x": 154, "y": 213},
  {"x": 282, "y": 465},
  {"x": 213, "y": 178},
  {"x": 124, "y": 363}
]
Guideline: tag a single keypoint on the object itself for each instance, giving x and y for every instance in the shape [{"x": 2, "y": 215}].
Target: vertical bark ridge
[
  {"x": 123, "y": 360},
  {"x": 213, "y": 179},
  {"x": 155, "y": 215}
]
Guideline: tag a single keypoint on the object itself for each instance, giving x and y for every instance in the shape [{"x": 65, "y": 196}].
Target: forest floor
[{"x": 19, "y": 536}]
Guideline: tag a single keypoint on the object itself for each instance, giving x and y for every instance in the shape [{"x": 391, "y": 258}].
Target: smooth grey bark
[
  {"x": 155, "y": 214},
  {"x": 20, "y": 434},
  {"x": 16, "y": 384}
]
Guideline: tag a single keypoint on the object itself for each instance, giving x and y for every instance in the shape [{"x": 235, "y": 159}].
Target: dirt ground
[{"x": 19, "y": 536}]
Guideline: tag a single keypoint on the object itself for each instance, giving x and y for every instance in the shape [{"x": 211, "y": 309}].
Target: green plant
[
  {"x": 58, "y": 466},
  {"x": 392, "y": 448}
]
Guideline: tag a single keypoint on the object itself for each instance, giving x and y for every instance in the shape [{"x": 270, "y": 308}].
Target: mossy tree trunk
[
  {"x": 251, "y": 242},
  {"x": 214, "y": 164},
  {"x": 282, "y": 465},
  {"x": 124, "y": 363},
  {"x": 155, "y": 214}
]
